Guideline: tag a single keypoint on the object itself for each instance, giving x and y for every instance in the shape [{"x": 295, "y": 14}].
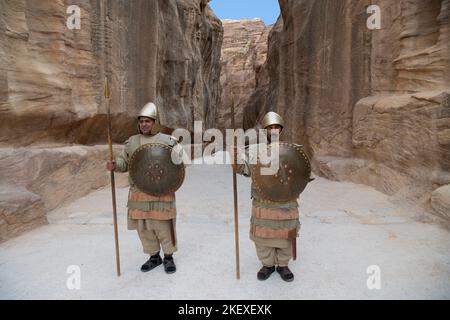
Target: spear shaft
[
  {"x": 113, "y": 184},
  {"x": 235, "y": 196}
]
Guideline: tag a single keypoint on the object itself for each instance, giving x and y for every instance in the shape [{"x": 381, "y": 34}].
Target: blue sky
[{"x": 267, "y": 10}]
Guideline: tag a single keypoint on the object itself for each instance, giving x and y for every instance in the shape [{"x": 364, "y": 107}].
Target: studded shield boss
[
  {"x": 153, "y": 171},
  {"x": 289, "y": 179}
]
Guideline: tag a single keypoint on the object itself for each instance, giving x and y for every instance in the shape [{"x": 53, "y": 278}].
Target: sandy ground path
[{"x": 345, "y": 229}]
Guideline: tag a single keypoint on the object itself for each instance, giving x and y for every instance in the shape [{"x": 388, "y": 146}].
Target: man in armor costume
[
  {"x": 153, "y": 216},
  {"x": 274, "y": 224}
]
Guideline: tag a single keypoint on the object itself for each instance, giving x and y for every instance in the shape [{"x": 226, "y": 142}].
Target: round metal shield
[
  {"x": 289, "y": 180},
  {"x": 152, "y": 170}
]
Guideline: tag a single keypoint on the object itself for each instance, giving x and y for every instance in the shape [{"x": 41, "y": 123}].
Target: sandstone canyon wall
[
  {"x": 162, "y": 51},
  {"x": 371, "y": 106},
  {"x": 244, "y": 52},
  {"x": 51, "y": 85}
]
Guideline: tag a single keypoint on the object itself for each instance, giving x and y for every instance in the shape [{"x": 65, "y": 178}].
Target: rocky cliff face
[
  {"x": 244, "y": 52},
  {"x": 51, "y": 79},
  {"x": 51, "y": 90},
  {"x": 371, "y": 106}
]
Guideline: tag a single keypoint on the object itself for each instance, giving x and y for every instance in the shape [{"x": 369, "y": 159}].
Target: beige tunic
[
  {"x": 141, "y": 206},
  {"x": 269, "y": 220}
]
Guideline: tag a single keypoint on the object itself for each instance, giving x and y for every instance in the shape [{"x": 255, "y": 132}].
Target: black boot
[
  {"x": 285, "y": 274},
  {"x": 169, "y": 264},
  {"x": 151, "y": 263},
  {"x": 265, "y": 272}
]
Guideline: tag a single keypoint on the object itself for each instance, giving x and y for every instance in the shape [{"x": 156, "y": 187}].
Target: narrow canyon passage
[
  {"x": 345, "y": 229},
  {"x": 371, "y": 106}
]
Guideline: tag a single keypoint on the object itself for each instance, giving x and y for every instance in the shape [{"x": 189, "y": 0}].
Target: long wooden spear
[
  {"x": 113, "y": 184},
  {"x": 235, "y": 196}
]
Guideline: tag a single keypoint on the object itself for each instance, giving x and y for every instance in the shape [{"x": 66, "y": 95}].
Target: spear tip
[{"x": 107, "y": 92}]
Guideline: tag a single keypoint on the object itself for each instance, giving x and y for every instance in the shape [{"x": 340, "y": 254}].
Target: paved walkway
[{"x": 346, "y": 228}]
